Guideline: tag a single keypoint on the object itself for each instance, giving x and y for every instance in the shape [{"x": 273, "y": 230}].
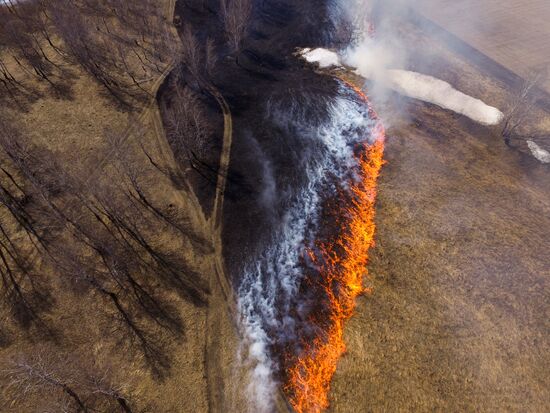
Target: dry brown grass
[
  {"x": 458, "y": 317},
  {"x": 75, "y": 131}
]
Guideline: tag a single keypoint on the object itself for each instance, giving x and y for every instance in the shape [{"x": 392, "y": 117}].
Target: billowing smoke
[
  {"x": 370, "y": 63},
  {"x": 380, "y": 57},
  {"x": 323, "y": 57},
  {"x": 271, "y": 309}
]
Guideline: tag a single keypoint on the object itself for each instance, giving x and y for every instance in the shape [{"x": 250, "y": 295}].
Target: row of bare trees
[
  {"x": 108, "y": 242},
  {"x": 519, "y": 115},
  {"x": 105, "y": 240},
  {"x": 120, "y": 44},
  {"x": 235, "y": 15},
  {"x": 62, "y": 383},
  {"x": 187, "y": 126}
]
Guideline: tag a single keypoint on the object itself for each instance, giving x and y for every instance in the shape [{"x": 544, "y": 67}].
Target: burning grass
[{"x": 341, "y": 264}]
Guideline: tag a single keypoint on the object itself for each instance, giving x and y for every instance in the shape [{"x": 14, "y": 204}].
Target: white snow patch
[
  {"x": 541, "y": 154},
  {"x": 411, "y": 84},
  {"x": 441, "y": 93},
  {"x": 324, "y": 57}
]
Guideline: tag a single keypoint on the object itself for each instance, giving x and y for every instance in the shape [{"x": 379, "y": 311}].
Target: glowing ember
[{"x": 342, "y": 264}]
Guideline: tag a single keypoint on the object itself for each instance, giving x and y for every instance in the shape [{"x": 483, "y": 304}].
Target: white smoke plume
[
  {"x": 268, "y": 297},
  {"x": 440, "y": 93},
  {"x": 323, "y": 57},
  {"x": 381, "y": 58},
  {"x": 411, "y": 84}
]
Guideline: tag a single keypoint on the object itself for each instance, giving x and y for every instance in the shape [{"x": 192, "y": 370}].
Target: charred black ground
[{"x": 265, "y": 73}]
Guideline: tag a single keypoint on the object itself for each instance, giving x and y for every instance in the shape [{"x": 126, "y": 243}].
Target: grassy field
[
  {"x": 458, "y": 317},
  {"x": 516, "y": 33},
  {"x": 75, "y": 130}
]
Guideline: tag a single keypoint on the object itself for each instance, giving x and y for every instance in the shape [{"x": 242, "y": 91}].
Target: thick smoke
[
  {"x": 381, "y": 58},
  {"x": 269, "y": 304},
  {"x": 411, "y": 84},
  {"x": 440, "y": 93}
]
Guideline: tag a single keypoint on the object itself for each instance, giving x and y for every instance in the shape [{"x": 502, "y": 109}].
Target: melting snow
[
  {"x": 414, "y": 85},
  {"x": 541, "y": 154},
  {"x": 325, "y": 58}
]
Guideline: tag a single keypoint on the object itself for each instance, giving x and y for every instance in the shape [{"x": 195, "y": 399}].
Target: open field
[
  {"x": 516, "y": 34},
  {"x": 76, "y": 130},
  {"x": 458, "y": 317}
]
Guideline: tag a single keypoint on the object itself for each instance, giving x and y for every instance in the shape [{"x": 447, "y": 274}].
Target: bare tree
[
  {"x": 117, "y": 42},
  {"x": 102, "y": 237},
  {"x": 211, "y": 57},
  {"x": 113, "y": 240},
  {"x": 521, "y": 106},
  {"x": 22, "y": 237},
  {"x": 191, "y": 53},
  {"x": 186, "y": 123},
  {"x": 27, "y": 376},
  {"x": 236, "y": 15},
  {"x": 63, "y": 382}
]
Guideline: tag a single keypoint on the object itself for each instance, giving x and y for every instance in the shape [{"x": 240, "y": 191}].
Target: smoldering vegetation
[
  {"x": 276, "y": 302},
  {"x": 253, "y": 74},
  {"x": 283, "y": 139}
]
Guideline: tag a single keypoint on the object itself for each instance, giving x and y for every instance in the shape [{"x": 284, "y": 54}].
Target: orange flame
[{"x": 343, "y": 264}]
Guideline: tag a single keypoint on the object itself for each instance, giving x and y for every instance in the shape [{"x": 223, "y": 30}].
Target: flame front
[{"x": 342, "y": 264}]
